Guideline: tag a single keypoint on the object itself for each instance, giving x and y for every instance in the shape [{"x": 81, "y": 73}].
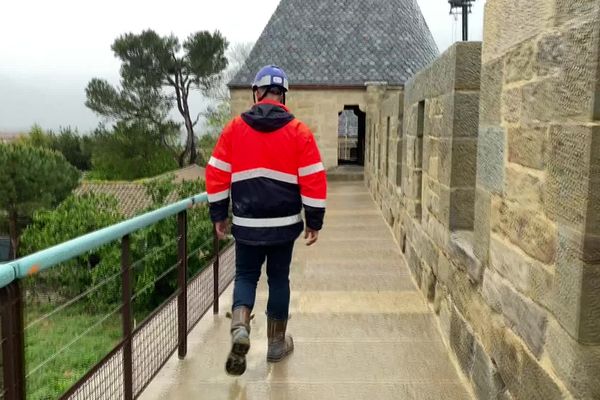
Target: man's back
[{"x": 274, "y": 166}]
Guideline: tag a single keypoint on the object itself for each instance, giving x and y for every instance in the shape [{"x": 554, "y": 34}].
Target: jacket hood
[{"x": 268, "y": 116}]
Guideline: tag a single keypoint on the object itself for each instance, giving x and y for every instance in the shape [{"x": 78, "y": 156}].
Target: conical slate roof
[{"x": 342, "y": 43}]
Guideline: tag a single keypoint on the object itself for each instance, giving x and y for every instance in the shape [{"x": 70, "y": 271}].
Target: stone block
[
  {"x": 527, "y": 275},
  {"x": 445, "y": 318},
  {"x": 414, "y": 184},
  {"x": 490, "y": 158},
  {"x": 428, "y": 251},
  {"x": 527, "y": 319},
  {"x": 439, "y": 296},
  {"x": 576, "y": 294},
  {"x": 464, "y": 162},
  {"x": 512, "y": 105},
  {"x": 519, "y": 63},
  {"x": 573, "y": 92},
  {"x": 524, "y": 187},
  {"x": 486, "y": 380},
  {"x": 550, "y": 53},
  {"x": 462, "y": 341},
  {"x": 462, "y": 203},
  {"x": 461, "y": 251},
  {"x": 481, "y": 228},
  {"x": 428, "y": 283},
  {"x": 524, "y": 376},
  {"x": 438, "y": 232},
  {"x": 533, "y": 232},
  {"x": 508, "y": 23},
  {"x": 592, "y": 220},
  {"x": 492, "y": 76},
  {"x": 575, "y": 10},
  {"x": 444, "y": 153},
  {"x": 444, "y": 269},
  {"x": 577, "y": 365},
  {"x": 466, "y": 114},
  {"x": 444, "y": 206},
  {"x": 568, "y": 173},
  {"x": 527, "y": 146},
  {"x": 414, "y": 262},
  {"x": 434, "y": 80},
  {"x": 468, "y": 66}
]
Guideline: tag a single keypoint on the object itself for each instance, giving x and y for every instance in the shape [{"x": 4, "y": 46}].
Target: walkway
[{"x": 362, "y": 330}]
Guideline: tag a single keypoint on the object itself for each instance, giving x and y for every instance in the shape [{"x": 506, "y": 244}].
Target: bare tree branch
[{"x": 197, "y": 119}]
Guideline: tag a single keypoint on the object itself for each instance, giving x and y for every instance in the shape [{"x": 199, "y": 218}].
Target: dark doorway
[{"x": 351, "y": 136}]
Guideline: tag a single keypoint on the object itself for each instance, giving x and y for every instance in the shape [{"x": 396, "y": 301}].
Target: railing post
[
  {"x": 127, "y": 318},
  {"x": 182, "y": 283},
  {"x": 13, "y": 342},
  {"x": 216, "y": 272}
]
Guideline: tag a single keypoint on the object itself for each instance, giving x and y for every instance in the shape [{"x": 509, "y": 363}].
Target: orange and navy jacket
[{"x": 268, "y": 163}]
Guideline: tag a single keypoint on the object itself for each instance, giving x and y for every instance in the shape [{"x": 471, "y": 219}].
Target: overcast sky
[{"x": 49, "y": 50}]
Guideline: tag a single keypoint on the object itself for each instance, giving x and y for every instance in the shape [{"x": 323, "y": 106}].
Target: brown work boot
[
  {"x": 240, "y": 341},
  {"x": 280, "y": 345}
]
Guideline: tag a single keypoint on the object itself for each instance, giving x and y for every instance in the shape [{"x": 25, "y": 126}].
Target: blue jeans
[{"x": 248, "y": 264}]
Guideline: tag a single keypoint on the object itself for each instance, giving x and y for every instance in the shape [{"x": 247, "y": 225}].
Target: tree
[
  {"x": 75, "y": 216},
  {"x": 75, "y": 148},
  {"x": 236, "y": 57},
  {"x": 219, "y": 113},
  {"x": 151, "y": 64},
  {"x": 32, "y": 178},
  {"x": 130, "y": 151}
]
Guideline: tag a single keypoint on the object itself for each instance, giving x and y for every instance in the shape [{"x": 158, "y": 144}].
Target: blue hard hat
[{"x": 271, "y": 75}]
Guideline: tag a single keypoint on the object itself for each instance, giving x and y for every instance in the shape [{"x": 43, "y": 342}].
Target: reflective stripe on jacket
[{"x": 268, "y": 163}]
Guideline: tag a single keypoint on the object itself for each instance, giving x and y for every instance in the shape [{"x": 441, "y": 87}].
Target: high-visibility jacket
[{"x": 268, "y": 163}]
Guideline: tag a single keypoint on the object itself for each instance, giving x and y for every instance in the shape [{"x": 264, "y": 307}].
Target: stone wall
[
  {"x": 498, "y": 207},
  {"x": 319, "y": 109}
]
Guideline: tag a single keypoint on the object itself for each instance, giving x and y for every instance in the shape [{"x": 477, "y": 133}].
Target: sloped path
[{"x": 362, "y": 329}]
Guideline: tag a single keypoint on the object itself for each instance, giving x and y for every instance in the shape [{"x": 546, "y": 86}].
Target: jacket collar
[{"x": 274, "y": 103}]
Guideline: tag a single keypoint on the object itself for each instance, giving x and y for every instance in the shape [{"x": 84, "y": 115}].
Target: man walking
[{"x": 269, "y": 164}]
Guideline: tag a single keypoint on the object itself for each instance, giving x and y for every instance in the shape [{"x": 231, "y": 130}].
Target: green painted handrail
[{"x": 52, "y": 256}]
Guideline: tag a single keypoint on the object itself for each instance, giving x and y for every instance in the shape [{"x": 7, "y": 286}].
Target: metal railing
[
  {"x": 143, "y": 349},
  {"x": 348, "y": 148}
]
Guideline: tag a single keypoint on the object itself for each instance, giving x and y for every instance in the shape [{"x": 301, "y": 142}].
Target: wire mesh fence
[
  {"x": 105, "y": 381},
  {"x": 156, "y": 338}
]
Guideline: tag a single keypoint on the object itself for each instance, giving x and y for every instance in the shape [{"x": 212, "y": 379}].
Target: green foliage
[
  {"x": 217, "y": 117},
  {"x": 154, "y": 249},
  {"x": 206, "y": 144},
  {"x": 38, "y": 138},
  {"x": 32, "y": 178},
  {"x": 75, "y": 148},
  {"x": 162, "y": 236},
  {"x": 151, "y": 63},
  {"x": 129, "y": 152},
  {"x": 76, "y": 216}
]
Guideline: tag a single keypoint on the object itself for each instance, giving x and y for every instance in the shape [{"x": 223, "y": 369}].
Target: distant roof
[
  {"x": 343, "y": 43},
  {"x": 132, "y": 197}
]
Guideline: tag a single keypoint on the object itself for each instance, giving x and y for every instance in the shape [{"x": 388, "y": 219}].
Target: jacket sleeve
[
  {"x": 312, "y": 180},
  {"x": 218, "y": 176}
]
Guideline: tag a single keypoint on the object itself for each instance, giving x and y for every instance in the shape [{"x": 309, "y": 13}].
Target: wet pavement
[{"x": 361, "y": 328}]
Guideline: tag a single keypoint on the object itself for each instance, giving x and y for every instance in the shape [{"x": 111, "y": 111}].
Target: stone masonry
[{"x": 486, "y": 166}]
